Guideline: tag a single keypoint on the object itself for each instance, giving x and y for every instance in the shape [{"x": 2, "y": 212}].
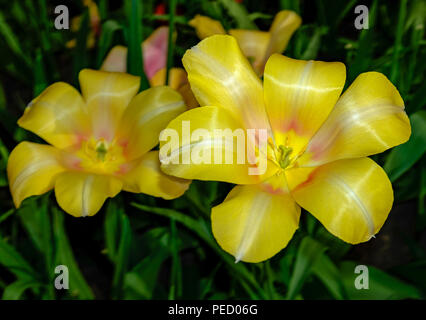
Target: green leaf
[
  {"x": 65, "y": 256},
  {"x": 123, "y": 253},
  {"x": 80, "y": 51},
  {"x": 134, "y": 40},
  {"x": 142, "y": 279},
  {"x": 329, "y": 275},
  {"x": 309, "y": 251},
  {"x": 36, "y": 221},
  {"x": 15, "y": 290},
  {"x": 15, "y": 263},
  {"x": 239, "y": 13},
  {"x": 12, "y": 40},
  {"x": 200, "y": 228},
  {"x": 403, "y": 157},
  {"x": 170, "y": 43},
  {"x": 109, "y": 28},
  {"x": 112, "y": 220},
  {"x": 40, "y": 82},
  {"x": 382, "y": 286}
]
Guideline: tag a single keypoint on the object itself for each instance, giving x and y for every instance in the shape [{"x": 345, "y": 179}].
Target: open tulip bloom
[
  {"x": 316, "y": 151},
  {"x": 100, "y": 142}
]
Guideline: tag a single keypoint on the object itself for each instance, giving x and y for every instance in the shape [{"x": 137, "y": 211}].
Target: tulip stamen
[
  {"x": 285, "y": 153},
  {"x": 101, "y": 150}
]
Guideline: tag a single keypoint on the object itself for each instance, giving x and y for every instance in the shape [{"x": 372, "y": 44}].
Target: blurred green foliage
[{"x": 139, "y": 247}]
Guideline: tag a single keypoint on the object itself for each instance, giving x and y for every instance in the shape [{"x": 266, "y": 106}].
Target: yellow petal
[
  {"x": 221, "y": 76},
  {"x": 178, "y": 80},
  {"x": 116, "y": 60},
  {"x": 285, "y": 23},
  {"x": 351, "y": 198},
  {"x": 206, "y": 27},
  {"x": 191, "y": 147},
  {"x": 369, "y": 118},
  {"x": 146, "y": 177},
  {"x": 147, "y": 114},
  {"x": 107, "y": 95},
  {"x": 58, "y": 116},
  {"x": 253, "y": 44},
  {"x": 32, "y": 169},
  {"x": 299, "y": 96},
  {"x": 83, "y": 194},
  {"x": 253, "y": 224}
]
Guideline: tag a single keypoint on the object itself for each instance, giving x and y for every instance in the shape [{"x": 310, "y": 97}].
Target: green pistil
[
  {"x": 284, "y": 160},
  {"x": 101, "y": 151}
]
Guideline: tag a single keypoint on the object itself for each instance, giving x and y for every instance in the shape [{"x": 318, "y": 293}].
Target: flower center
[
  {"x": 284, "y": 156},
  {"x": 101, "y": 150},
  {"x": 101, "y": 156}
]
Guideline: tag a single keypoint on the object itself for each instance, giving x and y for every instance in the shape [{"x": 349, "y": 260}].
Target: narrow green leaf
[
  {"x": 12, "y": 40},
  {"x": 200, "y": 228},
  {"x": 381, "y": 286},
  {"x": 80, "y": 51},
  {"x": 122, "y": 259},
  {"x": 112, "y": 224},
  {"x": 134, "y": 39},
  {"x": 65, "y": 256},
  {"x": 109, "y": 28},
  {"x": 15, "y": 263},
  {"x": 403, "y": 157},
  {"x": 309, "y": 251},
  {"x": 398, "y": 41},
  {"x": 40, "y": 81},
  {"x": 329, "y": 275},
  {"x": 170, "y": 48},
  {"x": 15, "y": 290},
  {"x": 239, "y": 13}
]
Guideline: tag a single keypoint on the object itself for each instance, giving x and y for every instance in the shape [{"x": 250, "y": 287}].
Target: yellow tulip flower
[
  {"x": 318, "y": 143},
  {"x": 256, "y": 45},
  {"x": 100, "y": 142}
]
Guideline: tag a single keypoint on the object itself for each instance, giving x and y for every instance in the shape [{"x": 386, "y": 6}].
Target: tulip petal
[
  {"x": 57, "y": 115},
  {"x": 147, "y": 114},
  {"x": 32, "y": 169},
  {"x": 107, "y": 95},
  {"x": 154, "y": 50},
  {"x": 178, "y": 80},
  {"x": 83, "y": 194},
  {"x": 369, "y": 118},
  {"x": 253, "y": 224},
  {"x": 226, "y": 80},
  {"x": 299, "y": 96},
  {"x": 195, "y": 146},
  {"x": 206, "y": 27},
  {"x": 253, "y": 44},
  {"x": 116, "y": 60},
  {"x": 285, "y": 23},
  {"x": 351, "y": 198},
  {"x": 146, "y": 177}
]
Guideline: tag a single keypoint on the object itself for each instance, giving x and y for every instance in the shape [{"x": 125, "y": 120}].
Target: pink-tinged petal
[
  {"x": 369, "y": 118},
  {"x": 154, "y": 50},
  {"x": 299, "y": 96},
  {"x": 58, "y": 116}
]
